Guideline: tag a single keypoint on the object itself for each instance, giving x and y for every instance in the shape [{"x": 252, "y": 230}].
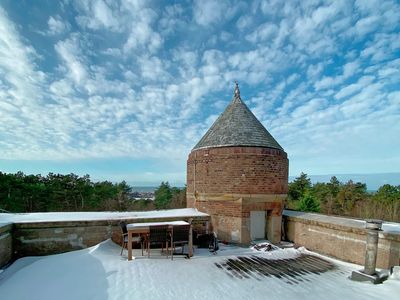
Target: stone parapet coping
[
  {"x": 113, "y": 222},
  {"x": 96, "y": 218},
  {"x": 338, "y": 223}
]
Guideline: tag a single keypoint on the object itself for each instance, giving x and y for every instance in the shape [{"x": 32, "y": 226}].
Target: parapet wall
[
  {"x": 338, "y": 237},
  {"x": 22, "y": 239},
  {"x": 341, "y": 238},
  {"x": 6, "y": 251},
  {"x": 56, "y": 237}
]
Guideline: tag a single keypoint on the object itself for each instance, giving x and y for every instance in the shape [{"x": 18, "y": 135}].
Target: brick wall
[
  {"x": 239, "y": 170},
  {"x": 230, "y": 182}
]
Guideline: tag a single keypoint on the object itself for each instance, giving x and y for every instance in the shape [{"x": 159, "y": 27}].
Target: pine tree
[{"x": 309, "y": 203}]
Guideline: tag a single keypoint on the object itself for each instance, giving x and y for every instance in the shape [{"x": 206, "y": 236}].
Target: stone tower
[{"x": 238, "y": 173}]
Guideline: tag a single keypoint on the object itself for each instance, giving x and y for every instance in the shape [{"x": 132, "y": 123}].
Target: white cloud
[
  {"x": 172, "y": 19},
  {"x": 98, "y": 14},
  {"x": 225, "y": 36},
  {"x": 113, "y": 52},
  {"x": 366, "y": 25},
  {"x": 207, "y": 12},
  {"x": 144, "y": 81},
  {"x": 74, "y": 64},
  {"x": 18, "y": 73},
  {"x": 153, "y": 68},
  {"x": 383, "y": 47},
  {"x": 314, "y": 70},
  {"x": 355, "y": 87},
  {"x": 309, "y": 108},
  {"x": 142, "y": 35},
  {"x": 350, "y": 69},
  {"x": 264, "y": 32},
  {"x": 244, "y": 22},
  {"x": 57, "y": 25}
]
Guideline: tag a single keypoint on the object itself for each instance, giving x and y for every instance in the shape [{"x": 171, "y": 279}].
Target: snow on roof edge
[
  {"x": 98, "y": 216},
  {"x": 387, "y": 227}
]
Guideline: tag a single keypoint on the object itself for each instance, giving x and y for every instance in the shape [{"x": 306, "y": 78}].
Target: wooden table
[{"x": 144, "y": 228}]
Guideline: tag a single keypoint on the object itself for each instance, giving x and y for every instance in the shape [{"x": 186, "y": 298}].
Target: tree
[
  {"x": 299, "y": 187},
  {"x": 387, "y": 193},
  {"x": 124, "y": 190},
  {"x": 387, "y": 202},
  {"x": 163, "y": 196},
  {"x": 178, "y": 197},
  {"x": 334, "y": 186},
  {"x": 350, "y": 193},
  {"x": 309, "y": 203}
]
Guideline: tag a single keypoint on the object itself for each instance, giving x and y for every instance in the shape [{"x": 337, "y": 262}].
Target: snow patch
[
  {"x": 235, "y": 234},
  {"x": 98, "y": 216},
  {"x": 395, "y": 273},
  {"x": 100, "y": 272}
]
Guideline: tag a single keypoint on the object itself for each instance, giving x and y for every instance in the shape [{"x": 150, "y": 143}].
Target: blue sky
[{"x": 122, "y": 90}]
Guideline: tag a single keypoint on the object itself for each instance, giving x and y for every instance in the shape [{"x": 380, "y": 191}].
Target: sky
[{"x": 123, "y": 90}]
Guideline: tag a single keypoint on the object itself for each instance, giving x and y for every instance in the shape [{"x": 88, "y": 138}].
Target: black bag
[{"x": 206, "y": 240}]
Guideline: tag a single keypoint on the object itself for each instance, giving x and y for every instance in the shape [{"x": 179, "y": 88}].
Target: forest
[
  {"x": 345, "y": 199},
  {"x": 57, "y": 192}
]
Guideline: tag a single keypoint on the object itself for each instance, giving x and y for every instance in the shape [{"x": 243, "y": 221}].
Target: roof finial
[{"x": 237, "y": 91}]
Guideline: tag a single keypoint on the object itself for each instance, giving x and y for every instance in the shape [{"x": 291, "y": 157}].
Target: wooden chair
[
  {"x": 158, "y": 235},
  {"x": 179, "y": 236},
  {"x": 135, "y": 239}
]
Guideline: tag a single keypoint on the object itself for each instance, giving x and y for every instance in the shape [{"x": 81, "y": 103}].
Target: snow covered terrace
[{"x": 98, "y": 271}]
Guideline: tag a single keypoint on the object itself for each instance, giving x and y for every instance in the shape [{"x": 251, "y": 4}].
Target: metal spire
[{"x": 237, "y": 91}]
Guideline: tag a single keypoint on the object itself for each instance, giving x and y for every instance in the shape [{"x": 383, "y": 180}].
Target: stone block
[{"x": 5, "y": 248}]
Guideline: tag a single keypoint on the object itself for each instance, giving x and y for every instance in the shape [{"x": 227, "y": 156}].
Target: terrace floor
[{"x": 100, "y": 272}]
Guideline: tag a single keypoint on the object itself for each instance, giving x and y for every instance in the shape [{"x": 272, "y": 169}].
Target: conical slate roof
[{"x": 237, "y": 126}]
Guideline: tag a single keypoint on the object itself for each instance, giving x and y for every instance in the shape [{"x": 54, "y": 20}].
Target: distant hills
[{"x": 373, "y": 181}]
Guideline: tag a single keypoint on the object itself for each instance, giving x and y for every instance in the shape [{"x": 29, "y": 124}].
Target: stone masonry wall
[
  {"x": 225, "y": 217},
  {"x": 6, "y": 250},
  {"x": 44, "y": 238},
  {"x": 230, "y": 214},
  {"x": 342, "y": 238}
]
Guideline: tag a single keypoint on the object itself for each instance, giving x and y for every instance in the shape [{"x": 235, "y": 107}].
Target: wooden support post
[
  {"x": 191, "y": 238},
  {"x": 129, "y": 245}
]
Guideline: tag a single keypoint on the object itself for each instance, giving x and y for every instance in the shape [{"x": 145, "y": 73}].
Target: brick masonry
[
  {"x": 230, "y": 182},
  {"x": 237, "y": 170}
]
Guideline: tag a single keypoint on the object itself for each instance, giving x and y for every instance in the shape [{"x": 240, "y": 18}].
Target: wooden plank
[
  {"x": 129, "y": 245},
  {"x": 190, "y": 238}
]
